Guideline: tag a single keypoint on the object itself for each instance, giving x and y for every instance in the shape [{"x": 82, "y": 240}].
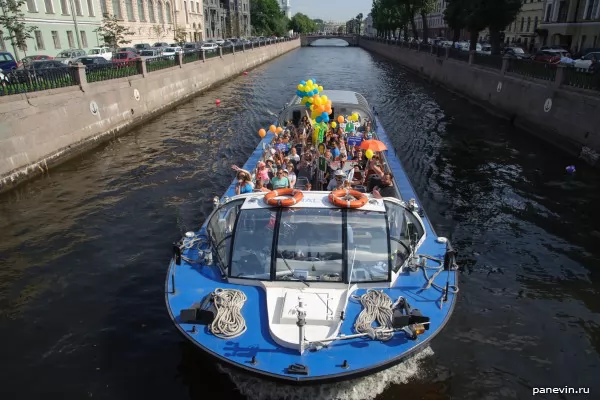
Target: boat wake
[{"x": 366, "y": 388}]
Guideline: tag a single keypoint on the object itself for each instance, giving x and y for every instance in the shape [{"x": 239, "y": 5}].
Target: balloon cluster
[
  {"x": 320, "y": 106},
  {"x": 274, "y": 129}
]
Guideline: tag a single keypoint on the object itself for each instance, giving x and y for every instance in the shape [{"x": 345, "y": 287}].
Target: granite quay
[
  {"x": 92, "y": 105},
  {"x": 556, "y": 103}
]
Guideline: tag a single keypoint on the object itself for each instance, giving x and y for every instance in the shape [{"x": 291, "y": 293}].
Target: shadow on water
[{"x": 84, "y": 250}]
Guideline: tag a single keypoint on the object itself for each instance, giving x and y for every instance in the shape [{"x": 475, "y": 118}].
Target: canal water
[{"x": 84, "y": 249}]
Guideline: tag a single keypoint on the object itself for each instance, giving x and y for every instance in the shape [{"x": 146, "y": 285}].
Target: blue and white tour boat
[{"x": 317, "y": 287}]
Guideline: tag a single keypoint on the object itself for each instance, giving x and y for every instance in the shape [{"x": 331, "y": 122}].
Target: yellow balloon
[
  {"x": 334, "y": 124},
  {"x": 355, "y": 116},
  {"x": 324, "y": 98},
  {"x": 369, "y": 154},
  {"x": 309, "y": 82},
  {"x": 300, "y": 87},
  {"x": 320, "y": 88}
]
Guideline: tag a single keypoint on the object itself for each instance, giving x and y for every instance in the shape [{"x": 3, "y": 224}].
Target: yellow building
[
  {"x": 523, "y": 30},
  {"x": 573, "y": 24}
]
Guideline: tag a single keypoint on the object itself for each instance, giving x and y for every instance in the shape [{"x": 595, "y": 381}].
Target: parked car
[
  {"x": 124, "y": 49},
  {"x": 149, "y": 54},
  {"x": 515, "y": 52},
  {"x": 29, "y": 59},
  {"x": 160, "y": 44},
  {"x": 219, "y": 41},
  {"x": 584, "y": 63},
  {"x": 90, "y": 60},
  {"x": 67, "y": 56},
  {"x": 549, "y": 55},
  {"x": 103, "y": 52},
  {"x": 125, "y": 57},
  {"x": 584, "y": 52},
  {"x": 171, "y": 51},
  {"x": 227, "y": 44},
  {"x": 486, "y": 49},
  {"x": 141, "y": 46},
  {"x": 191, "y": 47},
  {"x": 47, "y": 69},
  {"x": 209, "y": 47},
  {"x": 7, "y": 62}
]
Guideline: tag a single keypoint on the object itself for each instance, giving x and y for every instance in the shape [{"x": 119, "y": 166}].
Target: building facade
[
  {"x": 570, "y": 23},
  {"x": 150, "y": 20},
  {"x": 523, "y": 30},
  {"x": 188, "y": 17},
  {"x": 370, "y": 30},
  {"x": 286, "y": 8},
  {"x": 226, "y": 18},
  {"x": 60, "y": 25}
]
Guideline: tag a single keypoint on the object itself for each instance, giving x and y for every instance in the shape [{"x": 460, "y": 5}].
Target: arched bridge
[{"x": 307, "y": 40}]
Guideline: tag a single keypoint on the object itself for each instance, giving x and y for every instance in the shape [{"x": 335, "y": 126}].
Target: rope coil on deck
[
  {"x": 229, "y": 322},
  {"x": 377, "y": 306}
]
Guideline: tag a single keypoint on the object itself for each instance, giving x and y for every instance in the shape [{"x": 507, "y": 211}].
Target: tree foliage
[
  {"x": 267, "y": 18},
  {"x": 179, "y": 34},
  {"x": 113, "y": 33},
  {"x": 473, "y": 15},
  {"x": 302, "y": 24},
  {"x": 359, "y": 19},
  {"x": 12, "y": 20}
]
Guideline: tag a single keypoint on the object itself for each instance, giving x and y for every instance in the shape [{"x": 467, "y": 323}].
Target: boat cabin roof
[{"x": 312, "y": 199}]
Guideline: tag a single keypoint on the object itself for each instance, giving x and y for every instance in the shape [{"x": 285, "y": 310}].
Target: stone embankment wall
[
  {"x": 565, "y": 116},
  {"x": 40, "y": 129}
]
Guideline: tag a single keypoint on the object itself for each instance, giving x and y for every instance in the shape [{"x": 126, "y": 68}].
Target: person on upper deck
[
  {"x": 279, "y": 181},
  {"x": 386, "y": 188}
]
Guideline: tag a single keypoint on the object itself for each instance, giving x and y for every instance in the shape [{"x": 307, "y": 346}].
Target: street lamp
[{"x": 73, "y": 12}]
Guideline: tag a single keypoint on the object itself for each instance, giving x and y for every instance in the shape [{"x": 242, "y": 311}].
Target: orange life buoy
[
  {"x": 339, "y": 198},
  {"x": 296, "y": 197}
]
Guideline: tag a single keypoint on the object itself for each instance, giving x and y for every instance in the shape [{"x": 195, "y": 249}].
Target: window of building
[
  {"x": 39, "y": 40},
  {"x": 151, "y": 11},
  {"x": 116, "y": 5},
  {"x": 141, "y": 14},
  {"x": 522, "y": 23},
  {"x": 103, "y": 7},
  {"x": 55, "y": 39},
  {"x": 49, "y": 6},
  {"x": 535, "y": 23},
  {"x": 78, "y": 7},
  {"x": 90, "y": 6},
  {"x": 198, "y": 7},
  {"x": 31, "y": 6},
  {"x": 548, "y": 13},
  {"x": 64, "y": 7},
  {"x": 168, "y": 12},
  {"x": 161, "y": 15},
  {"x": 185, "y": 9},
  {"x": 528, "y": 23},
  {"x": 588, "y": 13},
  {"x": 71, "y": 39},
  {"x": 84, "y": 42},
  {"x": 129, "y": 10}
]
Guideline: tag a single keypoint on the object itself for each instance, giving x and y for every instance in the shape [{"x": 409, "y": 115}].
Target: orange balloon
[
  {"x": 340, "y": 119},
  {"x": 322, "y": 108},
  {"x": 279, "y": 129},
  {"x": 262, "y": 133},
  {"x": 272, "y": 128}
]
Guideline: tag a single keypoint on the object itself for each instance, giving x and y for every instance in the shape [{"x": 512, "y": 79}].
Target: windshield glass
[
  {"x": 147, "y": 53},
  {"x": 121, "y": 55},
  {"x": 367, "y": 240},
  {"x": 95, "y": 51},
  {"x": 139, "y": 46},
  {"x": 64, "y": 54},
  {"x": 309, "y": 245},
  {"x": 169, "y": 50}
]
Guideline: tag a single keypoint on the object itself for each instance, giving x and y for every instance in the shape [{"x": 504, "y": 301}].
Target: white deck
[{"x": 312, "y": 199}]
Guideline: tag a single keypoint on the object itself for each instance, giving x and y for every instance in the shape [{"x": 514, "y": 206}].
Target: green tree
[
  {"x": 455, "y": 16},
  {"x": 341, "y": 29},
  {"x": 113, "y": 33},
  {"x": 267, "y": 18},
  {"x": 359, "y": 19},
  {"x": 179, "y": 34},
  {"x": 12, "y": 20},
  {"x": 388, "y": 16},
  {"x": 499, "y": 14},
  {"x": 302, "y": 24}
]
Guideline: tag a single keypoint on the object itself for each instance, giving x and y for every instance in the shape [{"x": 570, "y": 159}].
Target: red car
[
  {"x": 551, "y": 56},
  {"x": 125, "y": 58},
  {"x": 30, "y": 59}
]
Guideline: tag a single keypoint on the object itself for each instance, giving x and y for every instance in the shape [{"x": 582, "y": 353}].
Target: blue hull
[{"x": 187, "y": 284}]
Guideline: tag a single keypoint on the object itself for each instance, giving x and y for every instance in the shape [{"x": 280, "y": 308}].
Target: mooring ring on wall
[
  {"x": 499, "y": 87},
  {"x": 548, "y": 105},
  {"x": 94, "y": 108},
  {"x": 136, "y": 94}
]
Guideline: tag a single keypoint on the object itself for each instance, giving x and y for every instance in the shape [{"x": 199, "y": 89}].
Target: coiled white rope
[
  {"x": 228, "y": 322},
  {"x": 377, "y": 306}
]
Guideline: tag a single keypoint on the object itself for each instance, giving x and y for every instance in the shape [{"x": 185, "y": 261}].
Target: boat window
[
  {"x": 309, "y": 245},
  {"x": 252, "y": 244},
  {"x": 220, "y": 228},
  {"x": 368, "y": 256},
  {"x": 405, "y": 229}
]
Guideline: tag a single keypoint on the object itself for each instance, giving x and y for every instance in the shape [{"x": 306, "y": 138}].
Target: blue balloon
[
  {"x": 314, "y": 80},
  {"x": 318, "y": 119},
  {"x": 571, "y": 169},
  {"x": 324, "y": 114},
  {"x": 314, "y": 92},
  {"x": 303, "y": 82},
  {"x": 307, "y": 105}
]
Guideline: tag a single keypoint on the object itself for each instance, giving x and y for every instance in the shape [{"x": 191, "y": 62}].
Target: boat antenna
[{"x": 291, "y": 270}]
